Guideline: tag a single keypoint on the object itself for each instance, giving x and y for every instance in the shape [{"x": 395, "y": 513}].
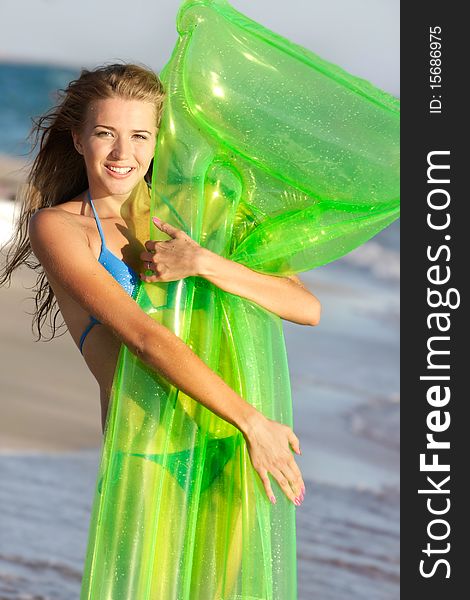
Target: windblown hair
[{"x": 58, "y": 171}]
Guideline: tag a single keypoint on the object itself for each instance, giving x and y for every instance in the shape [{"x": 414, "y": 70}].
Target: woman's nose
[{"x": 121, "y": 149}]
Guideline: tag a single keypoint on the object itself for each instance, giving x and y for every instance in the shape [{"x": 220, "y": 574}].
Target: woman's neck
[{"x": 122, "y": 206}]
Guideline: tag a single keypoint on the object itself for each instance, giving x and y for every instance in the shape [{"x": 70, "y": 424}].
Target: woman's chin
[{"x": 117, "y": 187}]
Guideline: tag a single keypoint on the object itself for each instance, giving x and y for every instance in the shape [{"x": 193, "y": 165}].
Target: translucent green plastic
[{"x": 274, "y": 158}]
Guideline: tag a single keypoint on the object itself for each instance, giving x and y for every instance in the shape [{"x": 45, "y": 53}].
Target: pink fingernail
[
  {"x": 273, "y": 499},
  {"x": 297, "y": 502},
  {"x": 156, "y": 220}
]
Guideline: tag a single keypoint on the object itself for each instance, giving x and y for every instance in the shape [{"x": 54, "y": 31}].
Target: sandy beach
[
  {"x": 49, "y": 399},
  {"x": 13, "y": 172}
]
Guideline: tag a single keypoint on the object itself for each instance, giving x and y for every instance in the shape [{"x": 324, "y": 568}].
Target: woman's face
[{"x": 117, "y": 143}]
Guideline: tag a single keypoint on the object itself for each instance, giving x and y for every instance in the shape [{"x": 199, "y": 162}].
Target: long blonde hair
[{"x": 58, "y": 171}]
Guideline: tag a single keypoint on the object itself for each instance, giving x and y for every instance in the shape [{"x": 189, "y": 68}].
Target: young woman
[{"x": 79, "y": 219}]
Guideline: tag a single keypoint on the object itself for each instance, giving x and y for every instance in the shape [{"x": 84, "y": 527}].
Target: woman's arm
[
  {"x": 284, "y": 296},
  {"x": 62, "y": 249},
  {"x": 181, "y": 257}
]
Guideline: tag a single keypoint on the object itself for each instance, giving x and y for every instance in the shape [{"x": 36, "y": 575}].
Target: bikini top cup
[{"x": 122, "y": 273}]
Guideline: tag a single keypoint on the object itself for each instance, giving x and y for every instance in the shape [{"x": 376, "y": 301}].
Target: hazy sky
[{"x": 362, "y": 36}]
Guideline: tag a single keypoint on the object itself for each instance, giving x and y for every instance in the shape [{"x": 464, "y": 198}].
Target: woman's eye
[{"x": 109, "y": 133}]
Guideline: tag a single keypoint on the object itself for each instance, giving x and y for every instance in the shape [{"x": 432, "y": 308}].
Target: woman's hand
[
  {"x": 268, "y": 445},
  {"x": 182, "y": 257},
  {"x": 172, "y": 259}
]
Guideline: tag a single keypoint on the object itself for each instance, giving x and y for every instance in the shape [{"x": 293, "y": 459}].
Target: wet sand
[{"x": 347, "y": 540}]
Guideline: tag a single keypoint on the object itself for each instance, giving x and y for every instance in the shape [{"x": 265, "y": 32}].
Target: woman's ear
[{"x": 76, "y": 142}]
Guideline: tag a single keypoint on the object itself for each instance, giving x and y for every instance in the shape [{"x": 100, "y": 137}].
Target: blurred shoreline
[{"x": 13, "y": 172}]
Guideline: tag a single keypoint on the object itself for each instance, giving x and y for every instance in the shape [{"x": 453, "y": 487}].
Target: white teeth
[{"x": 120, "y": 170}]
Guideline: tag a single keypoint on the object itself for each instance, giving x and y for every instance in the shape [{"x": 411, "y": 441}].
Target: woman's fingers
[
  {"x": 294, "y": 441},
  {"x": 151, "y": 246},
  {"x": 147, "y": 256},
  {"x": 285, "y": 482},
  {"x": 148, "y": 264},
  {"x": 270, "y": 453},
  {"x": 267, "y": 485},
  {"x": 292, "y": 472},
  {"x": 167, "y": 228}
]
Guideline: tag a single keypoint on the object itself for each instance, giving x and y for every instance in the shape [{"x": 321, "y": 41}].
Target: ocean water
[
  {"x": 27, "y": 92},
  {"x": 345, "y": 388}
]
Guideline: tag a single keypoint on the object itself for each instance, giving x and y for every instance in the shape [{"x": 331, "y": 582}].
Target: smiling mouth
[{"x": 119, "y": 170}]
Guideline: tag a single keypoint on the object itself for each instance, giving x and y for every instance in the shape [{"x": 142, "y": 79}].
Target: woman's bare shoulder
[
  {"x": 73, "y": 207},
  {"x": 55, "y": 224},
  {"x": 62, "y": 249},
  {"x": 61, "y": 217}
]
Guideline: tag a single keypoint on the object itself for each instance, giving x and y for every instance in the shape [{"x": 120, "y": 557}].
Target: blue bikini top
[{"x": 122, "y": 273}]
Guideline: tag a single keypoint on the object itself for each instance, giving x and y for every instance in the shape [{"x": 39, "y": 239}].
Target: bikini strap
[{"x": 100, "y": 229}]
